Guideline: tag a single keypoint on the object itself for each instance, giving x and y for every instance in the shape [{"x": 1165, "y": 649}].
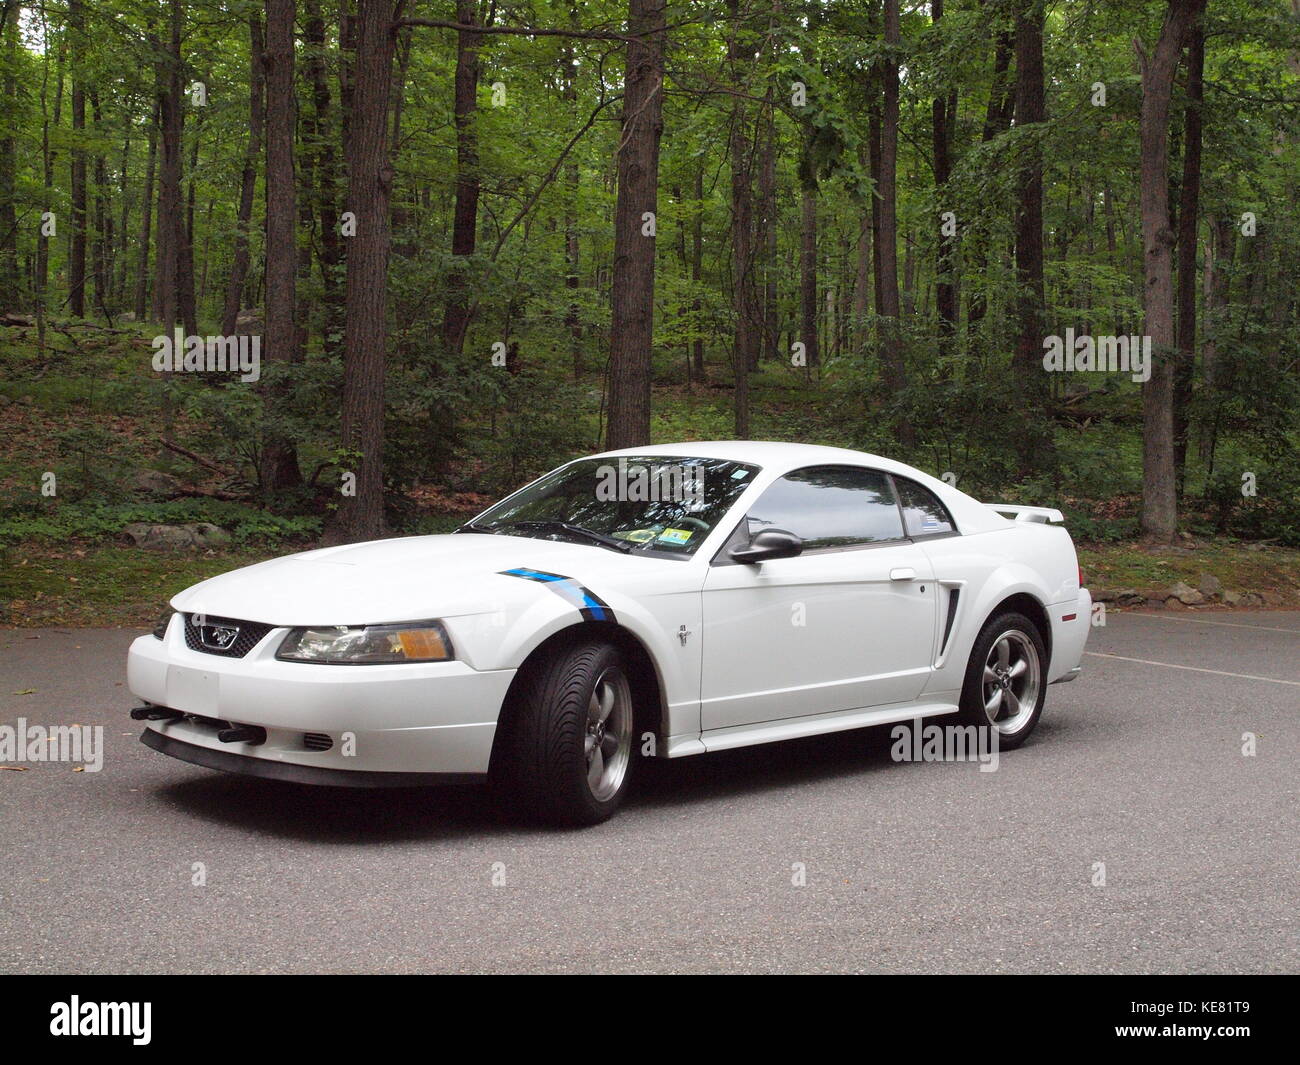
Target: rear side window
[
  {"x": 830, "y": 506},
  {"x": 924, "y": 514}
]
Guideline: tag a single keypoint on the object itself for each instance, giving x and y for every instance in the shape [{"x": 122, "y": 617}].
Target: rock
[
  {"x": 1252, "y": 599},
  {"x": 161, "y": 537},
  {"x": 156, "y": 485},
  {"x": 208, "y": 535},
  {"x": 1173, "y": 603},
  {"x": 1232, "y": 598},
  {"x": 1210, "y": 585},
  {"x": 1186, "y": 594},
  {"x": 1104, "y": 595},
  {"x": 1155, "y": 604},
  {"x": 1130, "y": 597}
]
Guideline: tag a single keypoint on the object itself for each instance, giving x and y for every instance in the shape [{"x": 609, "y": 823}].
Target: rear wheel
[
  {"x": 567, "y": 749},
  {"x": 1005, "y": 685}
]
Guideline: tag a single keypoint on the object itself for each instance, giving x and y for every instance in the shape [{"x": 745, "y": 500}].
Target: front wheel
[
  {"x": 1005, "y": 685},
  {"x": 567, "y": 749}
]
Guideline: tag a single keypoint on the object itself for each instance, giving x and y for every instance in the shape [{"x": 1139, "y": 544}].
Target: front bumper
[{"x": 434, "y": 719}]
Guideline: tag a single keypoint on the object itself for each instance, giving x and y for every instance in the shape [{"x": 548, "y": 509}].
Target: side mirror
[{"x": 770, "y": 543}]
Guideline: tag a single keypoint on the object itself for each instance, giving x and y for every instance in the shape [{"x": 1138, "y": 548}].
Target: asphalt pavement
[{"x": 1131, "y": 834}]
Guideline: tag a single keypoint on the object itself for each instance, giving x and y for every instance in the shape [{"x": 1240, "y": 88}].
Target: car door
[{"x": 849, "y": 623}]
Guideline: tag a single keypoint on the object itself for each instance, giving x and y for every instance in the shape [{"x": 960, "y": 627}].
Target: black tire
[
  {"x": 1023, "y": 639},
  {"x": 544, "y": 761}
]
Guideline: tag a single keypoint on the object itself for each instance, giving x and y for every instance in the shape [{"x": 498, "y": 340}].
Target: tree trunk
[
  {"x": 1033, "y": 441},
  {"x": 1159, "y": 496},
  {"x": 997, "y": 120},
  {"x": 9, "y": 156},
  {"x": 279, "y": 468},
  {"x": 1188, "y": 225},
  {"x": 944, "y": 112},
  {"x": 146, "y": 220},
  {"x": 248, "y": 182},
  {"x": 327, "y": 179},
  {"x": 893, "y": 370},
  {"x": 572, "y": 259},
  {"x": 632, "y": 290},
  {"x": 77, "y": 262},
  {"x": 169, "y": 179},
  {"x": 808, "y": 283},
  {"x": 697, "y": 272},
  {"x": 370, "y": 182},
  {"x": 767, "y": 232},
  {"x": 465, "y": 216}
]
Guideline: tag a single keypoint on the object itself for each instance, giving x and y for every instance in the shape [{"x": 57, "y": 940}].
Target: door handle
[{"x": 902, "y": 573}]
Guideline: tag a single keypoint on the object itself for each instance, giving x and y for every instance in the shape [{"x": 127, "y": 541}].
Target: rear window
[{"x": 922, "y": 511}]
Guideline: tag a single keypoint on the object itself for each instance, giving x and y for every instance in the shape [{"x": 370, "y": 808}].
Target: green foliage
[{"x": 100, "y": 521}]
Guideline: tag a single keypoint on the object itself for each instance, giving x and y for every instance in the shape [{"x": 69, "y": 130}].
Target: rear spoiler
[{"x": 1041, "y": 515}]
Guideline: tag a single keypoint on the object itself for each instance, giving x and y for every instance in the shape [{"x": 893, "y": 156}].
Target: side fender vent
[{"x": 953, "y": 595}]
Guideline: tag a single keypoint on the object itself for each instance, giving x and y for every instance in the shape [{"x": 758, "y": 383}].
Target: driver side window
[{"x": 830, "y": 506}]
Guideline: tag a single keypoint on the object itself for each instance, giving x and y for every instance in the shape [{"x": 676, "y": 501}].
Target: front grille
[
  {"x": 249, "y": 635},
  {"x": 317, "y": 741}
]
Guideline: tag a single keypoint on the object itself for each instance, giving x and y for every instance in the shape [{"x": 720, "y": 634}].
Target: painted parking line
[
  {"x": 1225, "y": 624},
  {"x": 1194, "y": 669}
]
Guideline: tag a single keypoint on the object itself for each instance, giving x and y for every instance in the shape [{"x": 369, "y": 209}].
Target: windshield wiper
[
  {"x": 575, "y": 530},
  {"x": 470, "y": 526}
]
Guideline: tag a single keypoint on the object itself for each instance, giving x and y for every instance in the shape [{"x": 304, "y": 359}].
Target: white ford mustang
[{"x": 653, "y": 602}]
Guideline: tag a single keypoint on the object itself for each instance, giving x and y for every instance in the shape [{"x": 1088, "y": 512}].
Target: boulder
[
  {"x": 162, "y": 537},
  {"x": 1130, "y": 597},
  {"x": 154, "y": 484},
  {"x": 1210, "y": 586},
  {"x": 1232, "y": 598},
  {"x": 1185, "y": 594}
]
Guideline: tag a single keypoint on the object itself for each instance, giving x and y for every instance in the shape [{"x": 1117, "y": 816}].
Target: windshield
[{"x": 638, "y": 503}]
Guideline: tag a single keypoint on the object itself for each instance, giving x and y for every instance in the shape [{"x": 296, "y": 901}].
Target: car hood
[{"x": 414, "y": 578}]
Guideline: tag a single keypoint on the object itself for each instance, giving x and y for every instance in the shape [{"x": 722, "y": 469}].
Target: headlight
[
  {"x": 417, "y": 641},
  {"x": 160, "y": 626}
]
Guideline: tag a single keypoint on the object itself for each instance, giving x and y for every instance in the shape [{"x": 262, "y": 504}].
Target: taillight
[{"x": 1080, "y": 576}]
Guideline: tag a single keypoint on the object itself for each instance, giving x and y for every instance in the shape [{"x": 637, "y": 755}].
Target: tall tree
[
  {"x": 1188, "y": 224},
  {"x": 464, "y": 227},
  {"x": 1033, "y": 439},
  {"x": 893, "y": 370},
  {"x": 248, "y": 179},
  {"x": 370, "y": 183},
  {"x": 944, "y": 116},
  {"x": 77, "y": 261},
  {"x": 632, "y": 289},
  {"x": 1158, "y": 67},
  {"x": 279, "y": 456},
  {"x": 146, "y": 220}
]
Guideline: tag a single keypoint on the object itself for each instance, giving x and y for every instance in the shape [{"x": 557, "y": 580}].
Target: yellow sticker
[{"x": 675, "y": 536}]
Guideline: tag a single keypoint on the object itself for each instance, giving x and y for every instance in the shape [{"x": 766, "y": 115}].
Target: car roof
[
  {"x": 778, "y": 457},
  {"x": 772, "y": 455}
]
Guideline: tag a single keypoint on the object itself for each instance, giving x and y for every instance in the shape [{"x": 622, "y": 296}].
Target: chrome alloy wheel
[
  {"x": 608, "y": 743},
  {"x": 1012, "y": 680}
]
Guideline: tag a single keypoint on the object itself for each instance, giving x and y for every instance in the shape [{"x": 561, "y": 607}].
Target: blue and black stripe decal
[{"x": 591, "y": 606}]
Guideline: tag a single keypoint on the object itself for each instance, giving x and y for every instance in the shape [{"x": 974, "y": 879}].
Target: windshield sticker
[
  {"x": 675, "y": 536},
  {"x": 591, "y": 606}
]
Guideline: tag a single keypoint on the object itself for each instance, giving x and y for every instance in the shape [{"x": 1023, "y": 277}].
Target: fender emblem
[{"x": 682, "y": 634}]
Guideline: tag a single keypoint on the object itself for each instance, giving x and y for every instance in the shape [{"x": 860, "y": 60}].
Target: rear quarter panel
[{"x": 989, "y": 567}]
